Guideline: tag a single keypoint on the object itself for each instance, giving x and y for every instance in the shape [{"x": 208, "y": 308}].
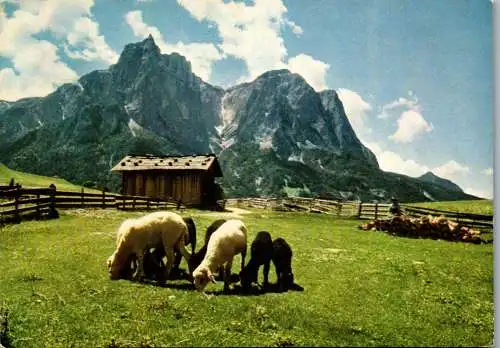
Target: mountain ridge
[{"x": 273, "y": 135}]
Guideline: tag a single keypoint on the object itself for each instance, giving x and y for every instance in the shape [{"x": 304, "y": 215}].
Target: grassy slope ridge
[
  {"x": 361, "y": 289},
  {"x": 484, "y": 206},
  {"x": 33, "y": 180}
]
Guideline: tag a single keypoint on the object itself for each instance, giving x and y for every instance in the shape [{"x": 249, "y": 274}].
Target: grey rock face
[{"x": 273, "y": 135}]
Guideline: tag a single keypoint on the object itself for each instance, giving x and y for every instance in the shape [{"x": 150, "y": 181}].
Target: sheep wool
[
  {"x": 136, "y": 235},
  {"x": 227, "y": 241}
]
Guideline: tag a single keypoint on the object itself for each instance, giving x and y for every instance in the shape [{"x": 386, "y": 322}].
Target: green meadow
[{"x": 359, "y": 289}]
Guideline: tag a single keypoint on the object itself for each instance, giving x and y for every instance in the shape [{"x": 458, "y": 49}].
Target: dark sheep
[
  {"x": 197, "y": 257},
  {"x": 261, "y": 254},
  {"x": 191, "y": 241},
  {"x": 154, "y": 266},
  {"x": 282, "y": 260}
]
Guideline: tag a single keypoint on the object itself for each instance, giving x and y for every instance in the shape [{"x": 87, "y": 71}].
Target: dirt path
[{"x": 231, "y": 212}]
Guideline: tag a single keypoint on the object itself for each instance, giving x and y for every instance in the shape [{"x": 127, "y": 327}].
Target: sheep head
[
  {"x": 202, "y": 277},
  {"x": 116, "y": 263}
]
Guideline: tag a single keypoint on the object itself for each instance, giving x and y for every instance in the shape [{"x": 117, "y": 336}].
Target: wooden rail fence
[
  {"x": 357, "y": 209},
  {"x": 18, "y": 203}
]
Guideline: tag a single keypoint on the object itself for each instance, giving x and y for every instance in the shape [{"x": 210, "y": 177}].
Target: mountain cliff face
[{"x": 274, "y": 136}]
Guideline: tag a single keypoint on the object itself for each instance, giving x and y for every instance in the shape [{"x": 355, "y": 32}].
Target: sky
[{"x": 415, "y": 77}]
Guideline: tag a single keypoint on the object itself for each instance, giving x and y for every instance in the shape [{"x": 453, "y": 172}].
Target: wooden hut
[{"x": 190, "y": 179}]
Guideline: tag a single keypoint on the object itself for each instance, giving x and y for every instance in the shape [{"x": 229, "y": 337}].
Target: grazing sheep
[
  {"x": 196, "y": 258},
  {"x": 154, "y": 266},
  {"x": 190, "y": 239},
  {"x": 282, "y": 260},
  {"x": 261, "y": 253},
  {"x": 227, "y": 241},
  {"x": 135, "y": 236}
]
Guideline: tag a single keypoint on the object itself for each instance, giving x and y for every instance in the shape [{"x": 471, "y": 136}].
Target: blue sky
[{"x": 415, "y": 77}]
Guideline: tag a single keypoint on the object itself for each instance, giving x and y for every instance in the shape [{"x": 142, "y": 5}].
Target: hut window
[
  {"x": 156, "y": 164},
  {"x": 169, "y": 163},
  {"x": 135, "y": 163},
  {"x": 123, "y": 163},
  {"x": 175, "y": 159},
  {"x": 187, "y": 163}
]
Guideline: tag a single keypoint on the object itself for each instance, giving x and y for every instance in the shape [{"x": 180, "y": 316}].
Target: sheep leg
[
  {"x": 170, "y": 261},
  {"x": 140, "y": 265},
  {"x": 267, "y": 266},
  {"x": 243, "y": 255},
  {"x": 227, "y": 275},
  {"x": 177, "y": 262},
  {"x": 186, "y": 254}
]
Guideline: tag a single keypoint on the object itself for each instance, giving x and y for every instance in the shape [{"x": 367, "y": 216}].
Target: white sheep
[
  {"x": 227, "y": 241},
  {"x": 136, "y": 235}
]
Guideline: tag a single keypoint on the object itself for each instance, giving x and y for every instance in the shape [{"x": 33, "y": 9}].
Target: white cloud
[
  {"x": 479, "y": 193},
  {"x": 36, "y": 67},
  {"x": 201, "y": 55},
  {"x": 410, "y": 125},
  {"x": 392, "y": 162},
  {"x": 312, "y": 70},
  {"x": 487, "y": 171},
  {"x": 252, "y": 33},
  {"x": 401, "y": 102},
  {"x": 297, "y": 29},
  {"x": 90, "y": 45},
  {"x": 450, "y": 169},
  {"x": 356, "y": 109}
]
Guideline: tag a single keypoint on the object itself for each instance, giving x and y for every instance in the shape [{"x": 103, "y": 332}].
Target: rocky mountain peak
[
  {"x": 430, "y": 177},
  {"x": 273, "y": 135}
]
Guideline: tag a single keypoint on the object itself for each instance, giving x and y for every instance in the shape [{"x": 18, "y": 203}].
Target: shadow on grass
[
  {"x": 254, "y": 290},
  {"x": 237, "y": 289}
]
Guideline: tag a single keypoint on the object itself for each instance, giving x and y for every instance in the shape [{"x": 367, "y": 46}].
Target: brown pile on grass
[{"x": 425, "y": 227}]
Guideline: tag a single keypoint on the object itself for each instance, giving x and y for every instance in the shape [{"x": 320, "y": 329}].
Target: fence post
[
  {"x": 179, "y": 204},
  {"x": 339, "y": 209},
  {"x": 53, "y": 214},
  {"x": 133, "y": 203},
  {"x": 83, "y": 199},
  {"x": 17, "y": 216},
  {"x": 103, "y": 199},
  {"x": 38, "y": 215},
  {"x": 123, "y": 201},
  {"x": 376, "y": 211},
  {"x": 359, "y": 209},
  {"x": 147, "y": 203}
]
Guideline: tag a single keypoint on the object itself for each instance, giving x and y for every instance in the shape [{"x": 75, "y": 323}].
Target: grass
[
  {"x": 360, "y": 289},
  {"x": 33, "y": 180},
  {"x": 483, "y": 206}
]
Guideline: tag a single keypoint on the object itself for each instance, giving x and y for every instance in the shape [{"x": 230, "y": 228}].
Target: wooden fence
[
  {"x": 17, "y": 203},
  {"x": 357, "y": 209}
]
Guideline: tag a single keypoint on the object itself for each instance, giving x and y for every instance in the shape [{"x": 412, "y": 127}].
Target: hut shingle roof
[{"x": 150, "y": 162}]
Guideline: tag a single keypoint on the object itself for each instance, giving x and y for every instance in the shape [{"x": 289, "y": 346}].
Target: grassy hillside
[
  {"x": 360, "y": 289},
  {"x": 33, "y": 180},
  {"x": 484, "y": 206}
]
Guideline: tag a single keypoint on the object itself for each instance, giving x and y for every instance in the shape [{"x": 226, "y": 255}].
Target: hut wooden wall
[{"x": 186, "y": 186}]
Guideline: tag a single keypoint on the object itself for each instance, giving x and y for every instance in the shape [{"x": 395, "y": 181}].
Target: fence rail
[
  {"x": 39, "y": 202},
  {"x": 23, "y": 203},
  {"x": 357, "y": 209}
]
